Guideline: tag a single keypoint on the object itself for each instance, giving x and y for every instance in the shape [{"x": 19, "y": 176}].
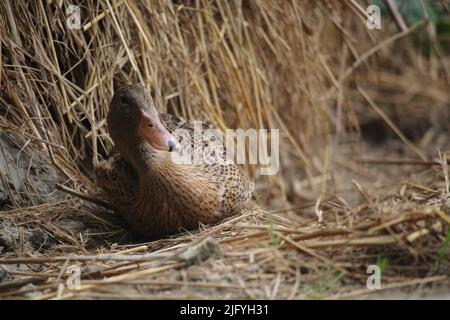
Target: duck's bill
[{"x": 156, "y": 134}]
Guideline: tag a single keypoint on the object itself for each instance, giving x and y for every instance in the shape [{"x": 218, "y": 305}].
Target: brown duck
[{"x": 156, "y": 195}]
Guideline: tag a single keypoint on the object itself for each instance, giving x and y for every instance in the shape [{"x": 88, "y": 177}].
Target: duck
[{"x": 156, "y": 195}]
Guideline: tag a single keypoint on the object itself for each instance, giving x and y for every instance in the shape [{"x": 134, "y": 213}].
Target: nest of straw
[{"x": 310, "y": 69}]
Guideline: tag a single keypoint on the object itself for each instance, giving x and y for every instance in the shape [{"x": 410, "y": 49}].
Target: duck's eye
[{"x": 124, "y": 100}]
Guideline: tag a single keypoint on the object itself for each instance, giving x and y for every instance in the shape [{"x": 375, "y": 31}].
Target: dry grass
[
  {"x": 309, "y": 68},
  {"x": 265, "y": 255}
]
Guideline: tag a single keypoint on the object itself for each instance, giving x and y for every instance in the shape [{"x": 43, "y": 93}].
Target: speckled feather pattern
[{"x": 173, "y": 197}]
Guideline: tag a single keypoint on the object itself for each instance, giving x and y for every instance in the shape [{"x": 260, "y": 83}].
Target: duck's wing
[
  {"x": 118, "y": 180},
  {"x": 235, "y": 189},
  {"x": 172, "y": 123}
]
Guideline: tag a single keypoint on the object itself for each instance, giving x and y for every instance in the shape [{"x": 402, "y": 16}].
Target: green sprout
[{"x": 443, "y": 251}]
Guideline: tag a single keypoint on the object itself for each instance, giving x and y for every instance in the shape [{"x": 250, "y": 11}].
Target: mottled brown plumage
[{"x": 154, "y": 194}]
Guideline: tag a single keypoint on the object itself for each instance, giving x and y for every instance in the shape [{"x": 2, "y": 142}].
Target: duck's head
[{"x": 132, "y": 116}]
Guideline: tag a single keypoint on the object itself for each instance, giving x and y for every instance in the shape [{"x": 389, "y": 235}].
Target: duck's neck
[{"x": 140, "y": 155}]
